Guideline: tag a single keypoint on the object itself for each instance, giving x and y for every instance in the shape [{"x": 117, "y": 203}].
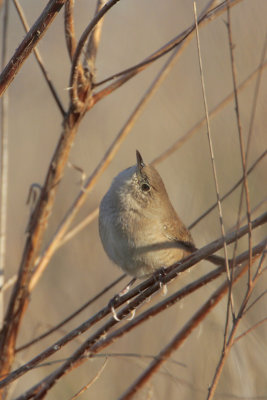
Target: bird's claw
[
  {"x": 159, "y": 277},
  {"x": 111, "y": 305}
]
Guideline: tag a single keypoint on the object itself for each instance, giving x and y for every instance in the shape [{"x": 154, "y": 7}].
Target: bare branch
[
  {"x": 214, "y": 170},
  {"x": 78, "y": 52},
  {"x": 127, "y": 74},
  {"x": 31, "y": 39},
  {"x": 255, "y": 301},
  {"x": 146, "y": 289},
  {"x": 39, "y": 59},
  {"x": 204, "y": 18},
  {"x": 79, "y": 227},
  {"x": 250, "y": 329},
  {"x": 176, "y": 145},
  {"x": 259, "y": 159},
  {"x": 226, "y": 350},
  {"x": 92, "y": 381},
  {"x": 69, "y": 28},
  {"x": 179, "y": 338},
  {"x": 255, "y": 98},
  {"x": 240, "y": 135},
  {"x": 71, "y": 316},
  {"x": 92, "y": 45},
  {"x": 3, "y": 166},
  {"x": 95, "y": 343},
  {"x": 10, "y": 282}
]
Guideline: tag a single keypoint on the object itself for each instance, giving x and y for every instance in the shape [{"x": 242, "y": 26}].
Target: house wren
[{"x": 139, "y": 228}]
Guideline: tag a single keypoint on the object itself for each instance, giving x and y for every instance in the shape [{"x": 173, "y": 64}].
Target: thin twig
[
  {"x": 240, "y": 134},
  {"x": 79, "y": 227},
  {"x": 39, "y": 58},
  {"x": 92, "y": 45},
  {"x": 253, "y": 210},
  {"x": 179, "y": 338},
  {"x": 251, "y": 283},
  {"x": 95, "y": 344},
  {"x": 250, "y": 329},
  {"x": 230, "y": 341},
  {"x": 69, "y": 28},
  {"x": 129, "y": 73},
  {"x": 3, "y": 166},
  {"x": 72, "y": 45},
  {"x": 80, "y": 170},
  {"x": 207, "y": 16},
  {"x": 255, "y": 98},
  {"x": 212, "y": 157},
  {"x": 255, "y": 301},
  {"x": 175, "y": 147},
  {"x": 230, "y": 191},
  {"x": 177, "y": 144},
  {"x": 78, "y": 52},
  {"x": 251, "y": 124},
  {"x": 30, "y": 40},
  {"x": 10, "y": 282},
  {"x": 37, "y": 227},
  {"x": 146, "y": 289},
  {"x": 92, "y": 381},
  {"x": 111, "y": 355},
  {"x": 71, "y": 316}
]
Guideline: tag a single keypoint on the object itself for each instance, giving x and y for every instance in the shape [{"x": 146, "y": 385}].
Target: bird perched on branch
[{"x": 139, "y": 228}]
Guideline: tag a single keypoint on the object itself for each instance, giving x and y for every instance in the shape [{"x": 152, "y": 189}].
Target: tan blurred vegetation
[{"x": 80, "y": 269}]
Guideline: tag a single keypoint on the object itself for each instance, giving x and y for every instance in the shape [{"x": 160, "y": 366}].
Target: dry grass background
[{"x": 80, "y": 269}]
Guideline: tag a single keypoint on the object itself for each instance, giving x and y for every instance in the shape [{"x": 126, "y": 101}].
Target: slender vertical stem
[
  {"x": 240, "y": 135},
  {"x": 214, "y": 171},
  {"x": 3, "y": 166}
]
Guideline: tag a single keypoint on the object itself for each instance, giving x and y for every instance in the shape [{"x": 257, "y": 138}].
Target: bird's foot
[
  {"x": 159, "y": 276},
  {"x": 111, "y": 306},
  {"x": 114, "y": 300}
]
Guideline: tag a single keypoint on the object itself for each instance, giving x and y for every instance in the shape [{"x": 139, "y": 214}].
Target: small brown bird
[{"x": 139, "y": 228}]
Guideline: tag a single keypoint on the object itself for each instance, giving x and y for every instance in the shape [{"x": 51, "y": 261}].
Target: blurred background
[{"x": 132, "y": 30}]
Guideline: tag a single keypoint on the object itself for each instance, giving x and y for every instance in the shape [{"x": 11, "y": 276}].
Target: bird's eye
[{"x": 145, "y": 187}]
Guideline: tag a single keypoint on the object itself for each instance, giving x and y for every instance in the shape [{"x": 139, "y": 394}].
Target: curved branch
[
  {"x": 78, "y": 52},
  {"x": 205, "y": 16}
]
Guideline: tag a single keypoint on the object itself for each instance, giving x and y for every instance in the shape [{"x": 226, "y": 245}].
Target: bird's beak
[{"x": 140, "y": 162}]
